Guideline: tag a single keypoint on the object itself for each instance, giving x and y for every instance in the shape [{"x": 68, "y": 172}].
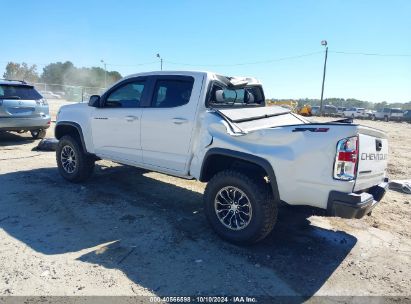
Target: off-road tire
[
  {"x": 38, "y": 134},
  {"x": 84, "y": 162},
  {"x": 386, "y": 119},
  {"x": 264, "y": 207}
]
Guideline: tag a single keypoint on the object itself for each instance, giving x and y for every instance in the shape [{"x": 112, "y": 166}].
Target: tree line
[
  {"x": 349, "y": 103},
  {"x": 61, "y": 73},
  {"x": 65, "y": 73}
]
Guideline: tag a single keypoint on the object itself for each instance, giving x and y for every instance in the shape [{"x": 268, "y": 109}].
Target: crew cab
[{"x": 219, "y": 130}]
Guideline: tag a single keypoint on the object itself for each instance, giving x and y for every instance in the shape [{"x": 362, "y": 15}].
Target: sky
[{"x": 278, "y": 42}]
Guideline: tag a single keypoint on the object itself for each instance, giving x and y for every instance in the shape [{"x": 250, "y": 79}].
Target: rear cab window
[
  {"x": 172, "y": 92},
  {"x": 226, "y": 96},
  {"x": 24, "y": 92}
]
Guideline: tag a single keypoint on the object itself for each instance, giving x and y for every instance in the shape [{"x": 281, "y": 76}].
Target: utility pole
[
  {"x": 105, "y": 72},
  {"x": 324, "y": 43},
  {"x": 161, "y": 61}
]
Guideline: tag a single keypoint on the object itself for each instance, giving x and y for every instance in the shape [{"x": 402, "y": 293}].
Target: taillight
[
  {"x": 42, "y": 102},
  {"x": 346, "y": 159}
]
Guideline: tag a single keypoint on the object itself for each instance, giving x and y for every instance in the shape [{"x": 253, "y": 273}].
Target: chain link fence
[{"x": 67, "y": 92}]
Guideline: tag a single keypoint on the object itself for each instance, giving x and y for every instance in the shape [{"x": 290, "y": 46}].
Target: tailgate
[
  {"x": 17, "y": 108},
  {"x": 373, "y": 156}
]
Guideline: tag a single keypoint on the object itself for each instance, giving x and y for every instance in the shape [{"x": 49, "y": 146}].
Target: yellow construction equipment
[
  {"x": 290, "y": 104},
  {"x": 305, "y": 110}
]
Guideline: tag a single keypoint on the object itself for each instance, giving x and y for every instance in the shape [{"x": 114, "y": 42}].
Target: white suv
[{"x": 355, "y": 113}]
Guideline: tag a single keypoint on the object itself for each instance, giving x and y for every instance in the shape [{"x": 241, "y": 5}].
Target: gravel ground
[{"x": 132, "y": 232}]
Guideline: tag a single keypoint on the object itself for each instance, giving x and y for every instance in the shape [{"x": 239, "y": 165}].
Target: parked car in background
[
  {"x": 407, "y": 116},
  {"x": 355, "y": 113},
  {"x": 388, "y": 114},
  {"x": 50, "y": 95},
  {"x": 369, "y": 114},
  {"x": 315, "y": 110},
  {"x": 330, "y": 110},
  {"x": 340, "y": 111},
  {"x": 23, "y": 109},
  {"x": 61, "y": 93}
]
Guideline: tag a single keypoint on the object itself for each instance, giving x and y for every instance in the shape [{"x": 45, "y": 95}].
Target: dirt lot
[{"x": 131, "y": 232}]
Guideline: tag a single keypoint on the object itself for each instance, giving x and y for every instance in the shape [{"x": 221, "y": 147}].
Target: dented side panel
[{"x": 302, "y": 160}]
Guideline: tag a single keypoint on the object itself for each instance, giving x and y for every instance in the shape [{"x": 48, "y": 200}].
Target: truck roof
[{"x": 211, "y": 75}]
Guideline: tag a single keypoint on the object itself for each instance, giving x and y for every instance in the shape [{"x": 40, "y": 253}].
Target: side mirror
[{"x": 94, "y": 101}]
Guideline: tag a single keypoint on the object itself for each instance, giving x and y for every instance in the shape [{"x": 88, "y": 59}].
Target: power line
[
  {"x": 133, "y": 65},
  {"x": 371, "y": 54},
  {"x": 244, "y": 63}
]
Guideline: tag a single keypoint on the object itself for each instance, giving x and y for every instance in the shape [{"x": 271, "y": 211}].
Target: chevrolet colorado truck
[{"x": 219, "y": 130}]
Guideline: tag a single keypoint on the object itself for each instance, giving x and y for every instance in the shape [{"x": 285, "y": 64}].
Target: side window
[
  {"x": 172, "y": 93},
  {"x": 126, "y": 96}
]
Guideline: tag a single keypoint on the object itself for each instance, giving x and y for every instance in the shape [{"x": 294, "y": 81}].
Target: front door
[{"x": 116, "y": 125}]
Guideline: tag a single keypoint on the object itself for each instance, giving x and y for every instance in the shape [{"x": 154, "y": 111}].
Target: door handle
[
  {"x": 179, "y": 121},
  {"x": 131, "y": 118}
]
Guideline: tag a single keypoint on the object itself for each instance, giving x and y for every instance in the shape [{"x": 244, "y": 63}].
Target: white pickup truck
[{"x": 216, "y": 129}]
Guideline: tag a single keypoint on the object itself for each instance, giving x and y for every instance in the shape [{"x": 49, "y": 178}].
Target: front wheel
[
  {"x": 73, "y": 163},
  {"x": 240, "y": 209},
  {"x": 38, "y": 134}
]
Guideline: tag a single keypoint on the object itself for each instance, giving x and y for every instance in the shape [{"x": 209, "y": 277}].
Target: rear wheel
[
  {"x": 38, "y": 134},
  {"x": 240, "y": 209},
  {"x": 73, "y": 163},
  {"x": 386, "y": 118}
]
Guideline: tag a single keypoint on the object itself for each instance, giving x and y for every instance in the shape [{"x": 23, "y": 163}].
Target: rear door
[
  {"x": 20, "y": 101},
  {"x": 167, "y": 124}
]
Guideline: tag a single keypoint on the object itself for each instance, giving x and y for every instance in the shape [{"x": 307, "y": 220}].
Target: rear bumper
[
  {"x": 30, "y": 123},
  {"x": 353, "y": 205}
]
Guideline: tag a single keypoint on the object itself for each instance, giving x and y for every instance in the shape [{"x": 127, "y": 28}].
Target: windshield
[
  {"x": 18, "y": 92},
  {"x": 246, "y": 96}
]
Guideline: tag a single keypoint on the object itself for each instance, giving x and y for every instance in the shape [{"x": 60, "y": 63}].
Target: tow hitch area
[{"x": 353, "y": 205}]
